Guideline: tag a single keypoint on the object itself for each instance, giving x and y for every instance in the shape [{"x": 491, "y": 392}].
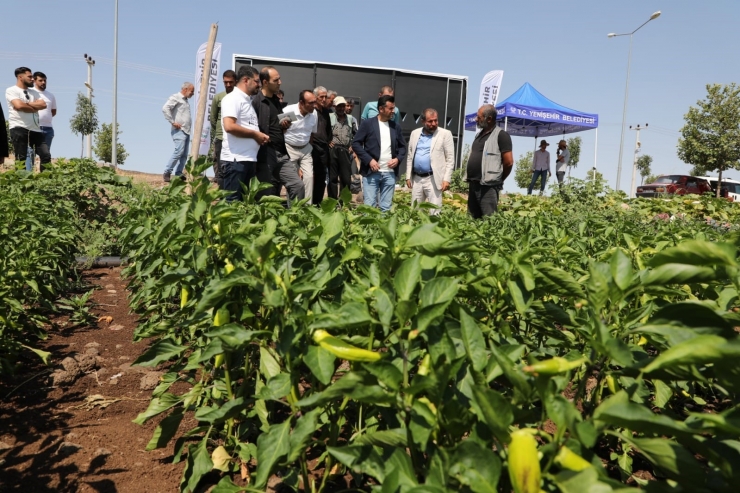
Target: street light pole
[
  {"x": 114, "y": 124},
  {"x": 90, "y": 64},
  {"x": 626, "y": 93}
]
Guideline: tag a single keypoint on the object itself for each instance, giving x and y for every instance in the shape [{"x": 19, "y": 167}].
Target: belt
[
  {"x": 423, "y": 175},
  {"x": 298, "y": 147}
]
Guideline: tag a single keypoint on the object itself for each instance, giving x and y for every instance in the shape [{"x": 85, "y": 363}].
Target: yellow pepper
[
  {"x": 524, "y": 463},
  {"x": 343, "y": 350}
]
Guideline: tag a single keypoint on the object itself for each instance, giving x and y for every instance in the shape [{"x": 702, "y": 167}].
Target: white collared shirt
[
  {"x": 177, "y": 110},
  {"x": 238, "y": 104},
  {"x": 299, "y": 132}
]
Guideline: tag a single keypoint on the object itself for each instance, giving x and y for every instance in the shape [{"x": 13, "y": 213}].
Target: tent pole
[
  {"x": 596, "y": 153},
  {"x": 506, "y": 123}
]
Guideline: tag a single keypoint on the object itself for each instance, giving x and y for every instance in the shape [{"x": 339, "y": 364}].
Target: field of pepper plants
[
  {"x": 569, "y": 344},
  {"x": 49, "y": 219},
  {"x": 572, "y": 344}
]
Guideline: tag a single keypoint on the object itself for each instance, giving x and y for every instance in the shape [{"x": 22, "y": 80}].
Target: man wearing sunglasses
[{"x": 24, "y": 104}]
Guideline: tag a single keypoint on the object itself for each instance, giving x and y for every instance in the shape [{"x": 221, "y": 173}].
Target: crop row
[{"x": 562, "y": 345}]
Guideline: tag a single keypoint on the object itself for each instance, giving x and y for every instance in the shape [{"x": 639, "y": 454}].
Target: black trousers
[
  {"x": 234, "y": 174},
  {"x": 482, "y": 199},
  {"x": 320, "y": 155},
  {"x": 340, "y": 171},
  {"x": 217, "y": 162},
  {"x": 23, "y": 139}
]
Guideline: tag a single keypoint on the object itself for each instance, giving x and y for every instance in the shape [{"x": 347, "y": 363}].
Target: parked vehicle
[
  {"x": 674, "y": 185},
  {"x": 730, "y": 188}
]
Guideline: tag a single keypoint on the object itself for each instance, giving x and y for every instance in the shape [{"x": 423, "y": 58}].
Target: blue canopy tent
[{"x": 527, "y": 113}]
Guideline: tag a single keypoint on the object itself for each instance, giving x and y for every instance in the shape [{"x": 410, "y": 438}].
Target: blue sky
[{"x": 559, "y": 47}]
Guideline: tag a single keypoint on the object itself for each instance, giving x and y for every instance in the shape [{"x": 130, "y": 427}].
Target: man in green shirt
[{"x": 217, "y": 132}]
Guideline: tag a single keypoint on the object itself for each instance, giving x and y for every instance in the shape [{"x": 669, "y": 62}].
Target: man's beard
[{"x": 28, "y": 84}]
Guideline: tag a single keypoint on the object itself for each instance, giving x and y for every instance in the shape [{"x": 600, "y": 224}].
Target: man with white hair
[
  {"x": 298, "y": 138},
  {"x": 177, "y": 111}
]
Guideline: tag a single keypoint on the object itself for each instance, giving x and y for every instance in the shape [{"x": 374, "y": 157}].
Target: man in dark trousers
[
  {"x": 217, "y": 132},
  {"x": 4, "y": 151},
  {"x": 489, "y": 163},
  {"x": 380, "y": 145},
  {"x": 24, "y": 104},
  {"x": 343, "y": 130},
  {"x": 320, "y": 143},
  {"x": 273, "y": 162}
]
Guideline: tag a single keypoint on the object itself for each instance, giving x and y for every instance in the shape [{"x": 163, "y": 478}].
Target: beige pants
[
  {"x": 301, "y": 158},
  {"x": 425, "y": 190}
]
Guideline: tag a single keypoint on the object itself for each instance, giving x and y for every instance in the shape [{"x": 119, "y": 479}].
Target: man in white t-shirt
[
  {"x": 561, "y": 163},
  {"x": 242, "y": 137},
  {"x": 45, "y": 115},
  {"x": 298, "y": 137},
  {"x": 24, "y": 105}
]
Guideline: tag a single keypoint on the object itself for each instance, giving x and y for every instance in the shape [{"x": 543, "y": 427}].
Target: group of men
[
  {"x": 310, "y": 147},
  {"x": 30, "y": 111}
]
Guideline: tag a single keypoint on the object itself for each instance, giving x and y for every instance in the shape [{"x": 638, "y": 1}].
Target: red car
[{"x": 674, "y": 185}]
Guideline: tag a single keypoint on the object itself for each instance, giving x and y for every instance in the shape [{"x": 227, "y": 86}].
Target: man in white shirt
[
  {"x": 540, "y": 167},
  {"x": 24, "y": 105},
  {"x": 298, "y": 138},
  {"x": 177, "y": 111},
  {"x": 561, "y": 163},
  {"x": 242, "y": 137},
  {"x": 45, "y": 115}
]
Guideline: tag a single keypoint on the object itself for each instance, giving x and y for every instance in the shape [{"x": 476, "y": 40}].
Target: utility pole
[
  {"x": 114, "y": 125},
  {"x": 88, "y": 84},
  {"x": 638, "y": 144}
]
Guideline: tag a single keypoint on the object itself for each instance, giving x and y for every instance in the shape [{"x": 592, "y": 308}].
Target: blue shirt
[
  {"x": 371, "y": 111},
  {"x": 422, "y": 159}
]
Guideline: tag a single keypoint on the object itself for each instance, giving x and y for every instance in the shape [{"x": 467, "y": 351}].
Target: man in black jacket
[
  {"x": 273, "y": 162},
  {"x": 380, "y": 145}
]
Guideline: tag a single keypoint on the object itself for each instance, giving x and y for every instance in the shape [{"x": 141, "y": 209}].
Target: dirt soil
[{"x": 78, "y": 437}]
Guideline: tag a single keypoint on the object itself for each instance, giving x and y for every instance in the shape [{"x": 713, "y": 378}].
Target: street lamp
[{"x": 626, "y": 93}]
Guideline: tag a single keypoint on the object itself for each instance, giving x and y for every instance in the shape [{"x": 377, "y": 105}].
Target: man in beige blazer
[{"x": 430, "y": 161}]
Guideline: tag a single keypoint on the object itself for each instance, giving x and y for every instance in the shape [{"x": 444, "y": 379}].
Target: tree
[
  {"x": 643, "y": 166},
  {"x": 574, "y": 146},
  {"x": 651, "y": 178},
  {"x": 590, "y": 175},
  {"x": 104, "y": 145},
  {"x": 522, "y": 176},
  {"x": 710, "y": 139},
  {"x": 85, "y": 119}
]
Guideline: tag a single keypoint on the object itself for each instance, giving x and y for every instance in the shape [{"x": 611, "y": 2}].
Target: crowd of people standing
[{"x": 315, "y": 146}]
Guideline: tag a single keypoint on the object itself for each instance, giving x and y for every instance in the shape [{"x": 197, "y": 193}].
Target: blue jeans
[
  {"x": 180, "y": 156},
  {"x": 31, "y": 156},
  {"x": 537, "y": 173},
  {"x": 383, "y": 184}
]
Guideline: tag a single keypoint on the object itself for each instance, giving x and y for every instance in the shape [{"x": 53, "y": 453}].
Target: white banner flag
[
  {"x": 210, "y": 93},
  {"x": 489, "y": 87}
]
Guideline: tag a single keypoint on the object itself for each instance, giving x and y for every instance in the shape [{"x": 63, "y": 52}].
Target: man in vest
[
  {"x": 340, "y": 156},
  {"x": 490, "y": 162}
]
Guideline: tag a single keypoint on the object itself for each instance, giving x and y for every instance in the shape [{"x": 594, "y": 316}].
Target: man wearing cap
[
  {"x": 340, "y": 162},
  {"x": 298, "y": 138},
  {"x": 561, "y": 163},
  {"x": 430, "y": 161},
  {"x": 490, "y": 162},
  {"x": 540, "y": 167}
]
